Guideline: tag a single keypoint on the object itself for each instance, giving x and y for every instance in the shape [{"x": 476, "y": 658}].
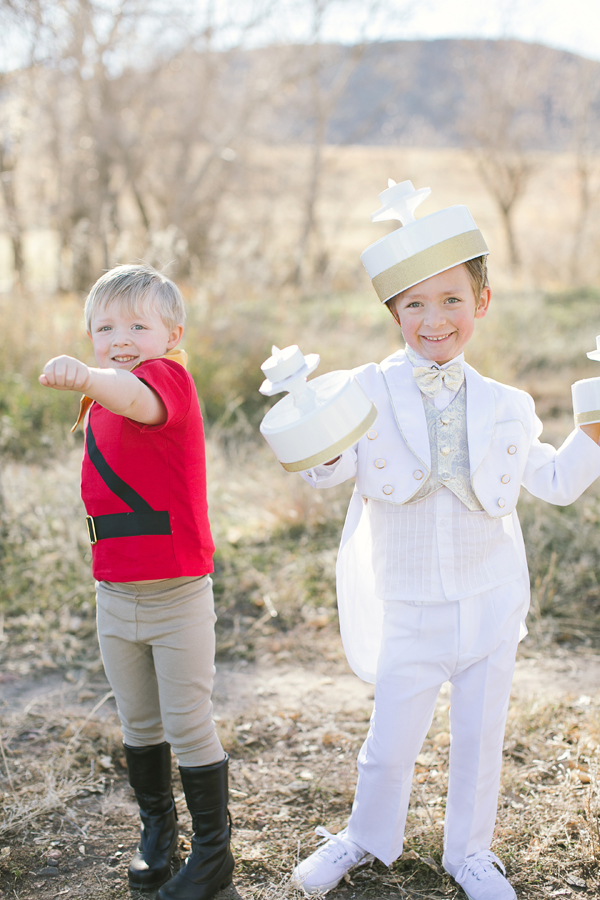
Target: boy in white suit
[{"x": 432, "y": 575}]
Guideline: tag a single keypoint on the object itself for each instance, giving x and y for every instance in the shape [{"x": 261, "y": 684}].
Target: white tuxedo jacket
[{"x": 392, "y": 461}]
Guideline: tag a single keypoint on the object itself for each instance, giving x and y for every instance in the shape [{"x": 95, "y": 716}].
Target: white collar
[{"x": 417, "y": 360}]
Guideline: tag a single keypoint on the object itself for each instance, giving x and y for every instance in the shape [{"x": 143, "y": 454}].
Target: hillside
[
  {"x": 427, "y": 93},
  {"x": 261, "y": 166}
]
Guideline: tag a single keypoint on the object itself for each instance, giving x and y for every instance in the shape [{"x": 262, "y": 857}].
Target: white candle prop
[
  {"x": 586, "y": 395},
  {"x": 318, "y": 419}
]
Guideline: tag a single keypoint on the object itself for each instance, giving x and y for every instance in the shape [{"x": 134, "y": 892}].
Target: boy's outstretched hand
[
  {"x": 64, "y": 373},
  {"x": 117, "y": 390}
]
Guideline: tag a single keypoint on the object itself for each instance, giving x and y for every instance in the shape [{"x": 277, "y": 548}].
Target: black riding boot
[
  {"x": 150, "y": 777},
  {"x": 209, "y": 866}
]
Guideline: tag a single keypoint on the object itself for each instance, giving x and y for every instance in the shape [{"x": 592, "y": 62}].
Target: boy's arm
[
  {"x": 561, "y": 476},
  {"x": 117, "y": 390}
]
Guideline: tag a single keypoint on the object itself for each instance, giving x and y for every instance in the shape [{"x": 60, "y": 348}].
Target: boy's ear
[
  {"x": 391, "y": 305},
  {"x": 175, "y": 337},
  {"x": 484, "y": 303}
]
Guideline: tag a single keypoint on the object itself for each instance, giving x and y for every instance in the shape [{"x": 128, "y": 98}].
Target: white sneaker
[
  {"x": 480, "y": 879},
  {"x": 323, "y": 869}
]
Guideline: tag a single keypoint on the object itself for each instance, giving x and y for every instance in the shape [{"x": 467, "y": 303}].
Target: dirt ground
[{"x": 292, "y": 732}]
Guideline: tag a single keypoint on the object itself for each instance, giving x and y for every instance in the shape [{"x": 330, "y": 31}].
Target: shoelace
[
  {"x": 479, "y": 866},
  {"x": 336, "y": 839}
]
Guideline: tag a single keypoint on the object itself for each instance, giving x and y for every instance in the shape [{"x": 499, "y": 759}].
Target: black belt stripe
[
  {"x": 119, "y": 487},
  {"x": 132, "y": 524},
  {"x": 144, "y": 520}
]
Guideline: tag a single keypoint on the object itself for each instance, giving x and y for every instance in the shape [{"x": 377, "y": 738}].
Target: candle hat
[{"x": 420, "y": 248}]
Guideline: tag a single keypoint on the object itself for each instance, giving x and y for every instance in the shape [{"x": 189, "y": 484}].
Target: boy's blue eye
[
  {"x": 453, "y": 300},
  {"x": 413, "y": 305}
]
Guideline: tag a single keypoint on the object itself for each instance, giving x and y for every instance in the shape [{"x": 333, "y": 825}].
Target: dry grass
[
  {"x": 293, "y": 756},
  {"x": 275, "y": 537},
  {"x": 293, "y": 768},
  {"x": 51, "y": 755}
]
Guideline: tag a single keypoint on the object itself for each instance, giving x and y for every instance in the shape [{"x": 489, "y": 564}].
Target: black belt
[
  {"x": 143, "y": 520},
  {"x": 127, "y": 525}
]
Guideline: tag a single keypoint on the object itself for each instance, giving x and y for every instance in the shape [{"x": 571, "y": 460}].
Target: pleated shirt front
[{"x": 437, "y": 548}]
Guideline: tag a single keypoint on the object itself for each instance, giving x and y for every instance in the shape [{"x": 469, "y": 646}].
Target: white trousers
[{"x": 472, "y": 644}]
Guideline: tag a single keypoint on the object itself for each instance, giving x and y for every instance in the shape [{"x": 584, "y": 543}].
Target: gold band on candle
[
  {"x": 417, "y": 268},
  {"x": 334, "y": 450},
  {"x": 587, "y": 418}
]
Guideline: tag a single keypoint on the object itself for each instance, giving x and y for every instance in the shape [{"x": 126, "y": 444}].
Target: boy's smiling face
[
  {"x": 437, "y": 316},
  {"x": 122, "y": 339}
]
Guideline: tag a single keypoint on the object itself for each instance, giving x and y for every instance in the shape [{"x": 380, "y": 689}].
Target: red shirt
[{"x": 165, "y": 464}]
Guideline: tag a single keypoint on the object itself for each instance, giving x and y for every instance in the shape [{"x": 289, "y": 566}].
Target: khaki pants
[{"x": 158, "y": 647}]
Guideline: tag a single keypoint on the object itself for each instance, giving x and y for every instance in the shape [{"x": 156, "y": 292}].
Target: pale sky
[{"x": 567, "y": 24}]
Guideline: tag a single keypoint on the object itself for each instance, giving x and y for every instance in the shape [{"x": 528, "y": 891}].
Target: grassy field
[
  {"x": 276, "y": 546},
  {"x": 261, "y": 515}
]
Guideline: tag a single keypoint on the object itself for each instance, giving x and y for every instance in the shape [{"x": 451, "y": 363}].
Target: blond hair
[
  {"x": 135, "y": 287},
  {"x": 478, "y": 276}
]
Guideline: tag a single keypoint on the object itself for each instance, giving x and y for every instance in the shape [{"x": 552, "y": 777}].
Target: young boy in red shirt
[{"x": 143, "y": 484}]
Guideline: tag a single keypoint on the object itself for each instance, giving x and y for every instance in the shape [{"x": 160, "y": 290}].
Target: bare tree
[
  {"x": 150, "y": 120},
  {"x": 148, "y": 128},
  {"x": 9, "y": 148},
  {"x": 146, "y": 115},
  {"x": 501, "y": 122},
  {"x": 327, "y": 71},
  {"x": 323, "y": 100},
  {"x": 583, "y": 100},
  {"x": 15, "y": 103}
]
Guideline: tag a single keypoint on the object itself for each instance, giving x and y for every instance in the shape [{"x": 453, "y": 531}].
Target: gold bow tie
[{"x": 430, "y": 381}]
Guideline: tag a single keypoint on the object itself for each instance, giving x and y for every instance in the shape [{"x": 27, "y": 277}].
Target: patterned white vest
[{"x": 450, "y": 467}]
